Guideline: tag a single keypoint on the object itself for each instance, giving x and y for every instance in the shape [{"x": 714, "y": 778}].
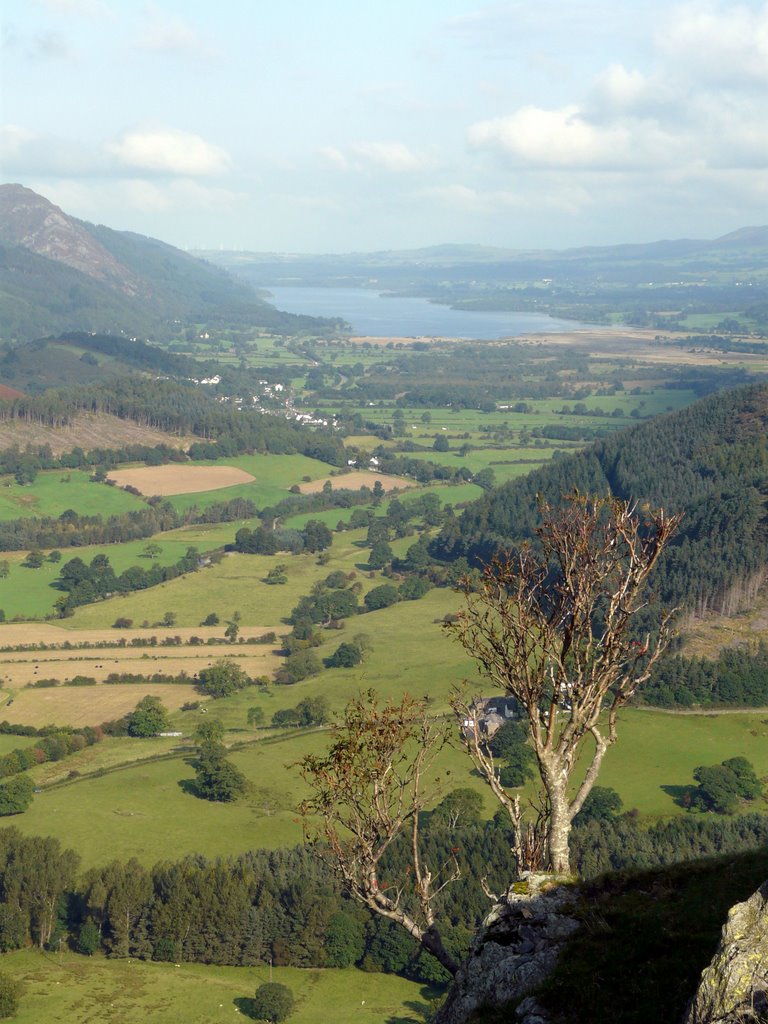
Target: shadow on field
[
  {"x": 680, "y": 794},
  {"x": 420, "y": 1010},
  {"x": 189, "y": 786},
  {"x": 246, "y": 1007}
]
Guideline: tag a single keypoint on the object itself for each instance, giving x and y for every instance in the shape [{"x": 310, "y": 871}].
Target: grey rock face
[
  {"x": 514, "y": 951},
  {"x": 734, "y": 988}
]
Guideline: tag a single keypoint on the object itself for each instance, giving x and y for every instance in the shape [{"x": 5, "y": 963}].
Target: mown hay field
[
  {"x": 272, "y": 477},
  {"x": 13, "y": 634},
  {"x": 89, "y": 705},
  {"x": 179, "y": 478},
  {"x": 17, "y": 671}
]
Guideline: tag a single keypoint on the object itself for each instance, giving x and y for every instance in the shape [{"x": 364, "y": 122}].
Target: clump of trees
[
  {"x": 297, "y": 666},
  {"x": 310, "y": 711},
  {"x": 265, "y": 541},
  {"x": 350, "y": 653},
  {"x": 84, "y": 584},
  {"x": 722, "y": 787},
  {"x": 10, "y": 993},
  {"x": 16, "y": 795}
]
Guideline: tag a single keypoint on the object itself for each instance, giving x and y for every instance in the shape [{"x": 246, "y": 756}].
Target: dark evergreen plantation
[
  {"x": 710, "y": 460},
  {"x": 285, "y": 905}
]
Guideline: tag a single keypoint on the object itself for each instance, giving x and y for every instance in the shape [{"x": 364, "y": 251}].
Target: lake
[{"x": 380, "y": 316}]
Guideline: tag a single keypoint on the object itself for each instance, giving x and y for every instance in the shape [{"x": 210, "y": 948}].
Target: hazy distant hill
[
  {"x": 59, "y": 274},
  {"x": 439, "y": 271}
]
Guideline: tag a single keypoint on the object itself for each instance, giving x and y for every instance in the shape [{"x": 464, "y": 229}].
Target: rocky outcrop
[
  {"x": 734, "y": 988},
  {"x": 514, "y": 951},
  {"x": 29, "y": 220}
]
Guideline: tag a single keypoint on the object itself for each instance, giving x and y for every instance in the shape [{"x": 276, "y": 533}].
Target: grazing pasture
[
  {"x": 63, "y": 987},
  {"x": 355, "y": 480},
  {"x": 272, "y": 477},
  {"x": 55, "y": 491},
  {"x": 29, "y": 592}
]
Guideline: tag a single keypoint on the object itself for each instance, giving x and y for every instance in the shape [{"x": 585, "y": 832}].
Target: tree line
[
  {"x": 285, "y": 905},
  {"x": 74, "y": 529},
  {"x": 84, "y": 584},
  {"x": 179, "y": 408},
  {"x": 738, "y": 676}
]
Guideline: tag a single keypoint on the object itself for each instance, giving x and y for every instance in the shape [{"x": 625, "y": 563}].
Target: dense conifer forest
[{"x": 709, "y": 460}]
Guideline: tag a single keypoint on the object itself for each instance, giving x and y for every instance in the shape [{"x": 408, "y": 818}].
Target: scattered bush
[{"x": 273, "y": 1002}]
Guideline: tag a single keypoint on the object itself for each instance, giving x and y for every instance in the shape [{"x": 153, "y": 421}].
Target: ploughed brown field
[
  {"x": 352, "y": 481},
  {"x": 172, "y": 479}
]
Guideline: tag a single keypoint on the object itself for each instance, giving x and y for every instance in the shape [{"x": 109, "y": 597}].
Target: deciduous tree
[
  {"x": 551, "y": 626},
  {"x": 368, "y": 790}
]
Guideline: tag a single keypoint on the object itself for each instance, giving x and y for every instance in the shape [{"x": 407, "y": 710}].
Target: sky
[{"x": 357, "y": 125}]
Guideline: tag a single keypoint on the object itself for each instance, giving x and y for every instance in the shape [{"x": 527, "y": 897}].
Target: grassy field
[
  {"x": 28, "y": 592},
  {"x": 273, "y": 476},
  {"x": 89, "y": 705},
  {"x": 66, "y": 988},
  {"x": 657, "y": 750},
  {"x": 55, "y": 491},
  {"x": 236, "y": 583},
  {"x": 143, "y": 809}
]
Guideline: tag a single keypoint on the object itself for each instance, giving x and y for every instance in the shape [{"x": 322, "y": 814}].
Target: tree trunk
[
  {"x": 559, "y": 829},
  {"x": 433, "y": 943}
]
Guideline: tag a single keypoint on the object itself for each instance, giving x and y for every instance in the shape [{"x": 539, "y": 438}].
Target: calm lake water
[{"x": 379, "y": 316}]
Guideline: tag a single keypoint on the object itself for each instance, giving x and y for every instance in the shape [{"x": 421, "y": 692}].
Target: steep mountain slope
[
  {"x": 60, "y": 274},
  {"x": 30, "y": 221}
]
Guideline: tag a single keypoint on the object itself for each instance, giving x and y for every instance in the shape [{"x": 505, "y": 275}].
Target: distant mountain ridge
[
  {"x": 59, "y": 274},
  {"x": 456, "y": 253}
]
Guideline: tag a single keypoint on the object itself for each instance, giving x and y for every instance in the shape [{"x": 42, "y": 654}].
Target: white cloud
[
  {"x": 470, "y": 200},
  {"x": 166, "y": 33},
  {"x": 388, "y": 156},
  {"x": 620, "y": 89},
  {"x": 719, "y": 42},
  {"x": 166, "y": 151},
  {"x": 149, "y": 197},
  {"x": 50, "y": 46},
  {"x": 553, "y": 194},
  {"x": 83, "y": 8},
  {"x": 392, "y": 157},
  {"x": 334, "y": 157},
  {"x": 534, "y": 137},
  {"x": 26, "y": 154}
]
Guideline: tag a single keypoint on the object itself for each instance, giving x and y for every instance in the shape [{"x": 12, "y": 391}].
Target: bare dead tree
[
  {"x": 551, "y": 627},
  {"x": 368, "y": 790}
]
